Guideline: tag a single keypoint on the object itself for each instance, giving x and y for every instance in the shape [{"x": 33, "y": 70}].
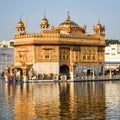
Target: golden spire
[
  {"x": 44, "y": 14},
  {"x": 98, "y": 20},
  {"x": 26, "y": 24},
  {"x": 68, "y": 16}
]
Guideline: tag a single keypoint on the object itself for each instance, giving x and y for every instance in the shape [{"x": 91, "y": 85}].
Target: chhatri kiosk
[{"x": 54, "y": 51}]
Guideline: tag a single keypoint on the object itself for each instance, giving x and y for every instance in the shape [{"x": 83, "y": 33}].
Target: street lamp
[{"x": 110, "y": 73}]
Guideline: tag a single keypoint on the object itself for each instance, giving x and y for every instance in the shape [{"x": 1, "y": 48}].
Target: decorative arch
[{"x": 64, "y": 69}]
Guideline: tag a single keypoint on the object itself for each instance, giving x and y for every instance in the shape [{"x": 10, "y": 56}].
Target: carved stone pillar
[
  {"x": 72, "y": 69},
  {"x": 24, "y": 75},
  {"x": 93, "y": 73},
  {"x": 6, "y": 74},
  {"x": 110, "y": 74}
]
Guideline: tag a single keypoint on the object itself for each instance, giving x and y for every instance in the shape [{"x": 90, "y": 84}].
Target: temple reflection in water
[{"x": 57, "y": 101}]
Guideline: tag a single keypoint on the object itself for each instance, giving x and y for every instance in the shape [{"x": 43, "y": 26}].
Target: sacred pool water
[{"x": 60, "y": 101}]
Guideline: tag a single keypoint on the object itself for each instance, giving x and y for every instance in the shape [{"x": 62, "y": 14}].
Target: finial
[
  {"x": 20, "y": 18},
  {"x": 68, "y": 13},
  {"x": 26, "y": 25},
  {"x": 98, "y": 20},
  {"x": 68, "y": 16},
  {"x": 44, "y": 14}
]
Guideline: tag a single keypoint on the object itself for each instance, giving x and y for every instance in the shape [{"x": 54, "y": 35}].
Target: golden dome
[
  {"x": 20, "y": 28},
  {"x": 44, "y": 23},
  {"x": 20, "y": 25},
  {"x": 70, "y": 26},
  {"x": 99, "y": 28}
]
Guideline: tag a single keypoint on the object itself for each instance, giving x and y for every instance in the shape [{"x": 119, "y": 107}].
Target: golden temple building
[{"x": 66, "y": 49}]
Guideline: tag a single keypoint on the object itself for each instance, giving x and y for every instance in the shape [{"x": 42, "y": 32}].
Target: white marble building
[
  {"x": 112, "y": 57},
  {"x": 6, "y": 56}
]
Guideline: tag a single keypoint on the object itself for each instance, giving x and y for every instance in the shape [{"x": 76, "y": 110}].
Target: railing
[{"x": 99, "y": 77}]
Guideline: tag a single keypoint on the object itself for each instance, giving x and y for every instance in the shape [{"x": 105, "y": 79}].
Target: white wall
[{"x": 46, "y": 67}]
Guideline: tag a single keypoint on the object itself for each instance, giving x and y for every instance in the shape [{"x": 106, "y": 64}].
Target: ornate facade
[{"x": 66, "y": 49}]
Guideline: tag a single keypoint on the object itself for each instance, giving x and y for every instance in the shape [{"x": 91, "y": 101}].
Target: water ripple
[{"x": 60, "y": 101}]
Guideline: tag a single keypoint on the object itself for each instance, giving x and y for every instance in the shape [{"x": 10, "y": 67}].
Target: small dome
[
  {"x": 70, "y": 26},
  {"x": 44, "y": 23},
  {"x": 20, "y": 25},
  {"x": 98, "y": 26},
  {"x": 20, "y": 28}
]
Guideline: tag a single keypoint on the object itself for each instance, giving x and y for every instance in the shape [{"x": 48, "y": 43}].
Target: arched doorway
[{"x": 64, "y": 70}]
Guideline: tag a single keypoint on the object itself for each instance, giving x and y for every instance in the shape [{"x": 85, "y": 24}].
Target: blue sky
[{"x": 81, "y": 11}]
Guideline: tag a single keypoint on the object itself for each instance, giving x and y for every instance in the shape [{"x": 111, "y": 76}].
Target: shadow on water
[{"x": 57, "y": 101}]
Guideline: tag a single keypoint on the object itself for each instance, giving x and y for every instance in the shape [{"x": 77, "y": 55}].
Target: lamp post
[
  {"x": 93, "y": 75},
  {"x": 110, "y": 73}
]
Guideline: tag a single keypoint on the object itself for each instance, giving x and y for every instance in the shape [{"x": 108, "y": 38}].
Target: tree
[{"x": 112, "y": 41}]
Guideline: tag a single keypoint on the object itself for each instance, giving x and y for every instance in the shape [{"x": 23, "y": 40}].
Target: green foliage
[{"x": 112, "y": 41}]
